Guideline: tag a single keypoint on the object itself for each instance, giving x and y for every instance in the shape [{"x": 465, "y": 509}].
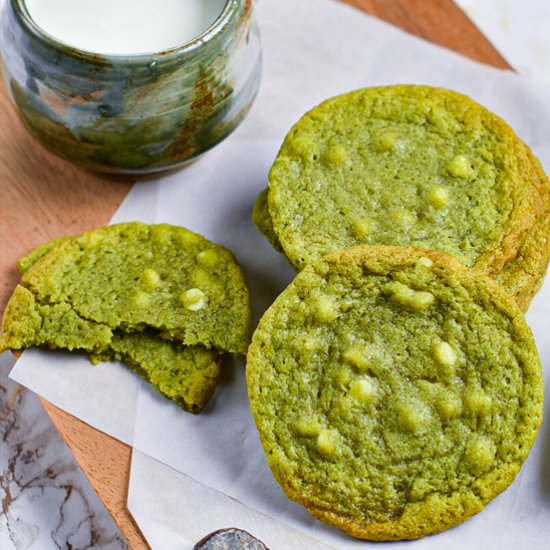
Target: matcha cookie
[
  {"x": 410, "y": 166},
  {"x": 164, "y": 301},
  {"x": 131, "y": 276},
  {"x": 187, "y": 375},
  {"x": 523, "y": 276},
  {"x": 262, "y": 220},
  {"x": 395, "y": 392}
]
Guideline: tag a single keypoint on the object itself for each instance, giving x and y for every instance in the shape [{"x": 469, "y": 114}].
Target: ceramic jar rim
[{"x": 229, "y": 13}]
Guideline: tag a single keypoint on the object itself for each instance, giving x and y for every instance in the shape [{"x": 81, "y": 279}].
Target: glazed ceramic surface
[{"x": 133, "y": 115}]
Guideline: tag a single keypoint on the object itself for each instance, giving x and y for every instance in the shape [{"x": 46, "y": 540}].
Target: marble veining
[{"x": 46, "y": 502}]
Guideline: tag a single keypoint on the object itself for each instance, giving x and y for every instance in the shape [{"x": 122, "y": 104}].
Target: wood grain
[
  {"x": 44, "y": 197},
  {"x": 106, "y": 463}
]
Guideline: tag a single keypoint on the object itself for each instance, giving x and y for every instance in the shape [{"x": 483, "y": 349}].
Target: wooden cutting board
[{"x": 43, "y": 197}]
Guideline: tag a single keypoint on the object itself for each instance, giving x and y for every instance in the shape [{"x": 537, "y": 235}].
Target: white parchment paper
[
  {"x": 518, "y": 30},
  {"x": 313, "y": 49}
]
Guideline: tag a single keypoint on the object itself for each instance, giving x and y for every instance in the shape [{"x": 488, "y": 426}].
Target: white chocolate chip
[
  {"x": 389, "y": 141},
  {"x": 480, "y": 454},
  {"x": 336, "y": 155},
  {"x": 90, "y": 239},
  {"x": 438, "y": 197},
  {"x": 477, "y": 402},
  {"x": 208, "y": 257},
  {"x": 305, "y": 147},
  {"x": 409, "y": 298},
  {"x": 326, "y": 310},
  {"x": 424, "y": 262},
  {"x": 193, "y": 299},
  {"x": 362, "y": 228},
  {"x": 150, "y": 279},
  {"x": 461, "y": 167},
  {"x": 327, "y": 442},
  {"x": 448, "y": 406},
  {"x": 308, "y": 428},
  {"x": 444, "y": 354},
  {"x": 366, "y": 357},
  {"x": 363, "y": 390}
]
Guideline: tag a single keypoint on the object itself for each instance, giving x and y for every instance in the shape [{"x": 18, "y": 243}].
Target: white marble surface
[{"x": 45, "y": 500}]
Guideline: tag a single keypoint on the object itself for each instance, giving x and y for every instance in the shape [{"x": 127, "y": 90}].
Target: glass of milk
[{"x": 130, "y": 88}]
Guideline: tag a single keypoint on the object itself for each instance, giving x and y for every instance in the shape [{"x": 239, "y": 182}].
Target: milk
[{"x": 124, "y": 27}]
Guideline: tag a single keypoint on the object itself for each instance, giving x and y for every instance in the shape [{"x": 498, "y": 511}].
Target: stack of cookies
[
  {"x": 395, "y": 385},
  {"x": 163, "y": 300},
  {"x": 411, "y": 166}
]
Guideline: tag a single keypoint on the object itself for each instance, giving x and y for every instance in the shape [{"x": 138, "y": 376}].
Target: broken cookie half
[{"x": 163, "y": 300}]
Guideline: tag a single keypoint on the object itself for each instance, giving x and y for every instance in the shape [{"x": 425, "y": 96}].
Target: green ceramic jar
[{"x": 132, "y": 115}]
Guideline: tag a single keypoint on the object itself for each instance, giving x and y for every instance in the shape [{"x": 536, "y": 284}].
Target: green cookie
[
  {"x": 187, "y": 375},
  {"x": 166, "y": 302},
  {"x": 411, "y": 166},
  {"x": 395, "y": 392},
  {"x": 132, "y": 276}
]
